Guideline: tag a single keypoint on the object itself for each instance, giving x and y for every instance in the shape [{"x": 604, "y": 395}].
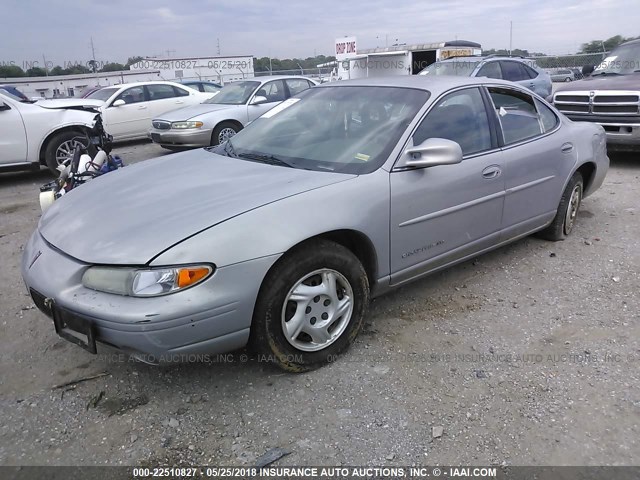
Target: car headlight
[
  {"x": 145, "y": 282},
  {"x": 184, "y": 125}
]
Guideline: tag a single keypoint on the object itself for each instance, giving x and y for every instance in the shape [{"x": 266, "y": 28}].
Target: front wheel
[
  {"x": 567, "y": 213},
  {"x": 60, "y": 148},
  {"x": 223, "y": 132},
  {"x": 568, "y": 79},
  {"x": 311, "y": 306}
]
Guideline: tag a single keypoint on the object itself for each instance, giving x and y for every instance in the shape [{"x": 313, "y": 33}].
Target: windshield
[
  {"x": 460, "y": 68},
  {"x": 103, "y": 94},
  {"x": 622, "y": 60},
  {"x": 234, "y": 94},
  {"x": 338, "y": 129}
]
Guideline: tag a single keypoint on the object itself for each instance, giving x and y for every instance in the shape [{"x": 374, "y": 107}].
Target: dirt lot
[{"x": 529, "y": 355}]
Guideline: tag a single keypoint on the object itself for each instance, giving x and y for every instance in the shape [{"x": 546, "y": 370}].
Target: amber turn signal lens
[{"x": 189, "y": 276}]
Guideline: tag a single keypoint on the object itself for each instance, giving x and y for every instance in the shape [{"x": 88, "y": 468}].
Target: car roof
[
  {"x": 266, "y": 78},
  {"x": 433, "y": 84},
  {"x": 149, "y": 82}
]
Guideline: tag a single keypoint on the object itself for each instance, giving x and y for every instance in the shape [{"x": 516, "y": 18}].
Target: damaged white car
[{"x": 32, "y": 135}]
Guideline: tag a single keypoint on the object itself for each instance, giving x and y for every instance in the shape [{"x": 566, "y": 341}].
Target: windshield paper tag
[{"x": 277, "y": 109}]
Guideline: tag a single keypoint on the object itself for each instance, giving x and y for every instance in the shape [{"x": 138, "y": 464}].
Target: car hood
[
  {"x": 70, "y": 103},
  {"x": 186, "y": 113},
  {"x": 129, "y": 216},
  {"x": 604, "y": 82}
]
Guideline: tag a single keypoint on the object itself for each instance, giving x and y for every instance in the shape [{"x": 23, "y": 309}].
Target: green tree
[
  {"x": 113, "y": 67},
  {"x": 132, "y": 60},
  {"x": 599, "y": 46},
  {"x": 10, "y": 71},
  {"x": 36, "y": 72}
]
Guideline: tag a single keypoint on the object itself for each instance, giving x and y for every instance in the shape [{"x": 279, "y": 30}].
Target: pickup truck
[{"x": 609, "y": 97}]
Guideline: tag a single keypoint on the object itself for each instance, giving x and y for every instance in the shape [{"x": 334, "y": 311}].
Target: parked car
[
  {"x": 515, "y": 69},
  {"x": 610, "y": 97},
  {"x": 577, "y": 73},
  {"x": 127, "y": 109},
  {"x": 33, "y": 135},
  {"x": 11, "y": 90},
  {"x": 202, "y": 85},
  {"x": 224, "y": 115},
  {"x": 280, "y": 236},
  {"x": 563, "y": 75}
]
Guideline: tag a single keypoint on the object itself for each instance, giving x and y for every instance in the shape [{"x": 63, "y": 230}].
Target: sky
[{"x": 61, "y": 30}]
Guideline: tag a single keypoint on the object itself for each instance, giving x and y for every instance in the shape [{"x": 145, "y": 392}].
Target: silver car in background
[
  {"x": 280, "y": 236},
  {"x": 515, "y": 69},
  {"x": 221, "y": 117}
]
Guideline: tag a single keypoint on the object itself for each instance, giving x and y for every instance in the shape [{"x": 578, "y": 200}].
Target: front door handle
[
  {"x": 492, "y": 171},
  {"x": 142, "y": 107}
]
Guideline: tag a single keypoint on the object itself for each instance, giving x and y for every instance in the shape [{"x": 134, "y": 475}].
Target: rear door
[
  {"x": 163, "y": 98},
  {"x": 13, "y": 138},
  {"x": 515, "y": 72},
  {"x": 440, "y": 214},
  {"x": 536, "y": 154}
]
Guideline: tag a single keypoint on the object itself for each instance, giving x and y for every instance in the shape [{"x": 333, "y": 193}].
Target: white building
[
  {"x": 353, "y": 62},
  {"x": 73, "y": 85},
  {"x": 216, "y": 69}
]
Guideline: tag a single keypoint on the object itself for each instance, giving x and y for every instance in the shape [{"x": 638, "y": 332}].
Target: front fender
[{"x": 360, "y": 204}]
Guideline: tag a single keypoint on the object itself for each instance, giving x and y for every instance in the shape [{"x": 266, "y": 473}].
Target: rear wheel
[
  {"x": 223, "y": 132},
  {"x": 311, "y": 306},
  {"x": 568, "y": 79},
  {"x": 567, "y": 213}
]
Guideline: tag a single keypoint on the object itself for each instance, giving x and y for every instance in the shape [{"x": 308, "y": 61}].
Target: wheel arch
[
  {"x": 588, "y": 172},
  {"x": 79, "y": 128}
]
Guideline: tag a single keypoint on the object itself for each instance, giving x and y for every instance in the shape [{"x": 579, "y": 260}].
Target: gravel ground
[{"x": 529, "y": 355}]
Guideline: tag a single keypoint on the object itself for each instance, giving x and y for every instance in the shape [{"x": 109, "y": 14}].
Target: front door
[
  {"x": 440, "y": 214},
  {"x": 13, "y": 139},
  {"x": 131, "y": 119},
  {"x": 274, "y": 92}
]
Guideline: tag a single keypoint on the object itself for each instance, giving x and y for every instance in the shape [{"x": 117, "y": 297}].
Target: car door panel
[
  {"x": 443, "y": 213},
  {"x": 533, "y": 157},
  {"x": 128, "y": 120},
  {"x": 275, "y": 93},
  {"x": 13, "y": 138}
]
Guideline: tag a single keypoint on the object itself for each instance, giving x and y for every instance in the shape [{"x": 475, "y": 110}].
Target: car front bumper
[
  {"x": 192, "y": 137},
  {"x": 212, "y": 317}
]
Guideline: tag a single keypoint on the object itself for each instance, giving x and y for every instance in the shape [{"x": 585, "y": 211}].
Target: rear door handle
[
  {"x": 142, "y": 107},
  {"x": 567, "y": 148},
  {"x": 179, "y": 101},
  {"x": 491, "y": 171}
]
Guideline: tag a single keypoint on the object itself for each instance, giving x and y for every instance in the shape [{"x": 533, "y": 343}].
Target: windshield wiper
[{"x": 268, "y": 159}]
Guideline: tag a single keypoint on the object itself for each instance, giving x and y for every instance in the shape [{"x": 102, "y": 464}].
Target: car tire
[
  {"x": 568, "y": 79},
  {"x": 62, "y": 140},
  {"x": 567, "y": 213},
  {"x": 324, "y": 286},
  {"x": 223, "y": 132}
]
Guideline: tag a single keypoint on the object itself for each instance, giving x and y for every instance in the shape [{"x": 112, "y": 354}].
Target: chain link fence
[{"x": 568, "y": 67}]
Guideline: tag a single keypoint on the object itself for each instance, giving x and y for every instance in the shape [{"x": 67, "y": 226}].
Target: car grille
[
  {"x": 161, "y": 125},
  {"x": 598, "y": 103}
]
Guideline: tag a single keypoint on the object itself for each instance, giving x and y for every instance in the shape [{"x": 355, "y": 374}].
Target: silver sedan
[
  {"x": 280, "y": 236},
  {"x": 222, "y": 116}
]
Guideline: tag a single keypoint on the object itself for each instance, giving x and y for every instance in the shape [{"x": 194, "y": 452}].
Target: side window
[
  {"x": 547, "y": 117},
  {"x": 530, "y": 71},
  {"x": 209, "y": 88},
  {"x": 517, "y": 113},
  {"x": 274, "y": 91},
  {"x": 132, "y": 95},
  {"x": 296, "y": 85},
  {"x": 180, "y": 92},
  {"x": 511, "y": 71},
  {"x": 461, "y": 117},
  {"x": 490, "y": 70},
  {"x": 160, "y": 92}
]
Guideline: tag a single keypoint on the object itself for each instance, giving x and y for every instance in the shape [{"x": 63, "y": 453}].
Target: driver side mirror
[
  {"x": 118, "y": 103},
  {"x": 431, "y": 153},
  {"x": 258, "y": 99},
  {"x": 4, "y": 106}
]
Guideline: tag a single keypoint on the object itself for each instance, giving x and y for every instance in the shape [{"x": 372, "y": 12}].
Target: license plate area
[{"x": 75, "y": 329}]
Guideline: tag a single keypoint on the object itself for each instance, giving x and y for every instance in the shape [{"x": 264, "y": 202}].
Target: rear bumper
[
  {"x": 212, "y": 317},
  {"x": 200, "y": 137}
]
